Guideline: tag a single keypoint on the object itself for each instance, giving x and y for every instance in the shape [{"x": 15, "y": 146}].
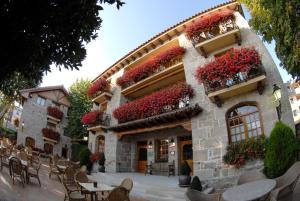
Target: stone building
[
  {"x": 202, "y": 124},
  {"x": 44, "y": 118}
]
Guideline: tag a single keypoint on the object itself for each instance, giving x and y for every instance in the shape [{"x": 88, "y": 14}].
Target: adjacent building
[
  {"x": 44, "y": 118},
  {"x": 184, "y": 95},
  {"x": 12, "y": 118}
]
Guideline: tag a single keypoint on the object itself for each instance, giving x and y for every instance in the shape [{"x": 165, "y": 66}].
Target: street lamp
[
  {"x": 277, "y": 96},
  {"x": 172, "y": 142}
]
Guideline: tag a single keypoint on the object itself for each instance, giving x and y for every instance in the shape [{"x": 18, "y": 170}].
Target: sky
[{"x": 125, "y": 29}]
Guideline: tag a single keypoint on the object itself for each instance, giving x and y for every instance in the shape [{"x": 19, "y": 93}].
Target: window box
[{"x": 96, "y": 120}]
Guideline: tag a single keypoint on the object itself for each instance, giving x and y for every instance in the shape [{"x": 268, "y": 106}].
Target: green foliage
[
  {"x": 239, "y": 152},
  {"x": 80, "y": 104},
  {"x": 84, "y": 158},
  {"x": 279, "y": 21},
  {"x": 185, "y": 168},
  {"x": 76, "y": 149},
  {"x": 196, "y": 184},
  {"x": 41, "y": 33},
  {"x": 8, "y": 133},
  {"x": 280, "y": 150}
]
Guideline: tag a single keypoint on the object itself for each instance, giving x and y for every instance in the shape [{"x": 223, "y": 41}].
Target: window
[
  {"x": 162, "y": 150},
  {"x": 295, "y": 112},
  {"x": 40, "y": 101},
  {"x": 244, "y": 122}
]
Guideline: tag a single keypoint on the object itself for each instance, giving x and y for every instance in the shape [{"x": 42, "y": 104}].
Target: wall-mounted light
[
  {"x": 22, "y": 125},
  {"x": 277, "y": 97},
  {"x": 172, "y": 142},
  {"x": 85, "y": 138},
  {"x": 150, "y": 145}
]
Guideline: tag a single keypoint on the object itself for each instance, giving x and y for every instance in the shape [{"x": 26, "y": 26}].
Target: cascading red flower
[
  {"x": 100, "y": 85},
  {"x": 207, "y": 22},
  {"x": 55, "y": 112},
  {"x": 227, "y": 67},
  {"x": 90, "y": 118},
  {"x": 51, "y": 134},
  {"x": 95, "y": 157},
  {"x": 153, "y": 104},
  {"x": 149, "y": 67}
]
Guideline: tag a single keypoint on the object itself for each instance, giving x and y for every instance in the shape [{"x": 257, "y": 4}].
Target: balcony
[
  {"x": 54, "y": 115},
  {"x": 50, "y": 135},
  {"x": 102, "y": 97},
  {"x": 225, "y": 34},
  {"x": 101, "y": 122},
  {"x": 240, "y": 84},
  {"x": 99, "y": 91}
]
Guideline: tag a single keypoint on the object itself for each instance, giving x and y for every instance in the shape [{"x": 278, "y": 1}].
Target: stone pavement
[{"x": 146, "y": 188}]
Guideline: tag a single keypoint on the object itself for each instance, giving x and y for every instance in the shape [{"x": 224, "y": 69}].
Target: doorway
[
  {"x": 64, "y": 151},
  {"x": 186, "y": 151},
  {"x": 141, "y": 156},
  {"x": 29, "y": 142}
]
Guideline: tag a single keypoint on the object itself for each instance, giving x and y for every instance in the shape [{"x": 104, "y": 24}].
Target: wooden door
[
  {"x": 186, "y": 153},
  {"x": 141, "y": 158}
]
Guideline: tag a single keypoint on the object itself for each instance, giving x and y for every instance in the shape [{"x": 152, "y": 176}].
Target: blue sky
[{"x": 125, "y": 29}]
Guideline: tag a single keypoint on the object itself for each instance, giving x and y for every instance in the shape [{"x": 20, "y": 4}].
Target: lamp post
[{"x": 277, "y": 96}]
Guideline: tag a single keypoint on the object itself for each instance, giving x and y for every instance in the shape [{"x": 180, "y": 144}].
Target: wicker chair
[
  {"x": 250, "y": 176},
  {"x": 286, "y": 183},
  {"x": 69, "y": 178},
  {"x": 53, "y": 170},
  {"x": 4, "y": 159},
  {"x": 73, "y": 195},
  {"x": 17, "y": 170},
  {"x": 33, "y": 171},
  {"x": 127, "y": 184},
  {"x": 81, "y": 177},
  {"x": 118, "y": 194},
  {"x": 194, "y": 195}
]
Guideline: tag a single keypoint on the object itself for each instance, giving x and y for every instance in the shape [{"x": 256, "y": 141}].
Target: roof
[
  {"x": 26, "y": 92},
  {"x": 181, "y": 25}
]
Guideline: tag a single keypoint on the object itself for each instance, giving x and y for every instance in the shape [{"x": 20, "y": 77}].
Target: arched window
[
  {"x": 48, "y": 148},
  {"x": 101, "y": 144},
  {"x": 29, "y": 142},
  {"x": 244, "y": 121}
]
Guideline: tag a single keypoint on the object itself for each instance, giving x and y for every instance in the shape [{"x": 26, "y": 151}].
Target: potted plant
[
  {"x": 101, "y": 162},
  {"x": 184, "y": 177}
]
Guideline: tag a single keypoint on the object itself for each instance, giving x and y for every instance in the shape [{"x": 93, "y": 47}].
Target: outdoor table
[
  {"x": 249, "y": 191},
  {"x": 100, "y": 188}
]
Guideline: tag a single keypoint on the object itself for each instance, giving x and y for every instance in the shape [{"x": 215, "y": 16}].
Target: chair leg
[{"x": 39, "y": 180}]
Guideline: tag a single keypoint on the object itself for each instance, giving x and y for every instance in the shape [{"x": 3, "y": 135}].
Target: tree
[
  {"x": 279, "y": 21},
  {"x": 80, "y": 104},
  {"x": 38, "y": 33}
]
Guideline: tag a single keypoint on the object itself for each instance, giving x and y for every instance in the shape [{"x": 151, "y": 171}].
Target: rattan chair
[
  {"x": 17, "y": 170},
  {"x": 69, "y": 178},
  {"x": 33, "y": 171},
  {"x": 286, "y": 183},
  {"x": 73, "y": 195},
  {"x": 127, "y": 184},
  {"x": 53, "y": 170},
  {"x": 250, "y": 176},
  {"x": 194, "y": 195},
  {"x": 118, "y": 194},
  {"x": 81, "y": 177}
]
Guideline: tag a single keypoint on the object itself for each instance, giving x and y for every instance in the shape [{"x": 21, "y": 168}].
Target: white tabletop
[
  {"x": 62, "y": 167},
  {"x": 25, "y": 163},
  {"x": 100, "y": 187},
  {"x": 249, "y": 191}
]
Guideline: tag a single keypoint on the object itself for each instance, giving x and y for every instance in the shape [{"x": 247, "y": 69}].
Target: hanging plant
[
  {"x": 98, "y": 86},
  {"x": 51, "y": 134}
]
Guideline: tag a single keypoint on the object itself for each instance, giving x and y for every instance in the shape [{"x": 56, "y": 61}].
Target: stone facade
[
  {"x": 34, "y": 117},
  {"x": 209, "y": 130}
]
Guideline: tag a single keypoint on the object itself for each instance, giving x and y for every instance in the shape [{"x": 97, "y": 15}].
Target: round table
[{"x": 249, "y": 191}]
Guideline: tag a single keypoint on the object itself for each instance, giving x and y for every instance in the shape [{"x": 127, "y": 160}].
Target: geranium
[
  {"x": 51, "y": 134},
  {"x": 90, "y": 118},
  {"x": 227, "y": 68},
  {"x": 156, "y": 103},
  {"x": 100, "y": 85},
  {"x": 207, "y": 22},
  {"x": 149, "y": 67},
  {"x": 55, "y": 112}
]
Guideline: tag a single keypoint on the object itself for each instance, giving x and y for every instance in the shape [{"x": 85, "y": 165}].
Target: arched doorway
[
  {"x": 29, "y": 142},
  {"x": 186, "y": 151},
  {"x": 48, "y": 148},
  {"x": 100, "y": 144}
]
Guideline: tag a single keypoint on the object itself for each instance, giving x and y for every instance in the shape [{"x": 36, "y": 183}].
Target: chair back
[
  {"x": 127, "y": 184},
  {"x": 69, "y": 175},
  {"x": 291, "y": 176},
  {"x": 250, "y": 176},
  {"x": 16, "y": 166},
  {"x": 55, "y": 159},
  {"x": 118, "y": 194},
  {"x": 23, "y": 156},
  {"x": 194, "y": 195},
  {"x": 81, "y": 177}
]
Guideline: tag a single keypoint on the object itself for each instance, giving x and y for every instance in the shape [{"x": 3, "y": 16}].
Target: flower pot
[{"x": 184, "y": 180}]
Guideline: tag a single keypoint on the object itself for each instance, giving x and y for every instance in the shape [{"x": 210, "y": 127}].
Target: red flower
[
  {"x": 90, "y": 118},
  {"x": 55, "y": 112},
  {"x": 95, "y": 157},
  {"x": 100, "y": 85},
  {"x": 49, "y": 133},
  {"x": 149, "y": 67},
  {"x": 207, "y": 22},
  {"x": 153, "y": 104}
]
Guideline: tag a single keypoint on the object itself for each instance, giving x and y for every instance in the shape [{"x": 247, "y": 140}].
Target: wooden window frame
[{"x": 246, "y": 131}]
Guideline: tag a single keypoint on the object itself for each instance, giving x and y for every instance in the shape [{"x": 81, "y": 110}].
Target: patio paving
[{"x": 146, "y": 188}]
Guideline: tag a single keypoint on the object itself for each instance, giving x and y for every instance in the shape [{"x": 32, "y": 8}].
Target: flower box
[
  {"x": 97, "y": 88},
  {"x": 95, "y": 118},
  {"x": 55, "y": 112},
  {"x": 151, "y": 67},
  {"x": 156, "y": 103},
  {"x": 51, "y": 135}
]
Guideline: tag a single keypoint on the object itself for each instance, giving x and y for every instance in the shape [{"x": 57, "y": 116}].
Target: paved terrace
[{"x": 146, "y": 188}]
